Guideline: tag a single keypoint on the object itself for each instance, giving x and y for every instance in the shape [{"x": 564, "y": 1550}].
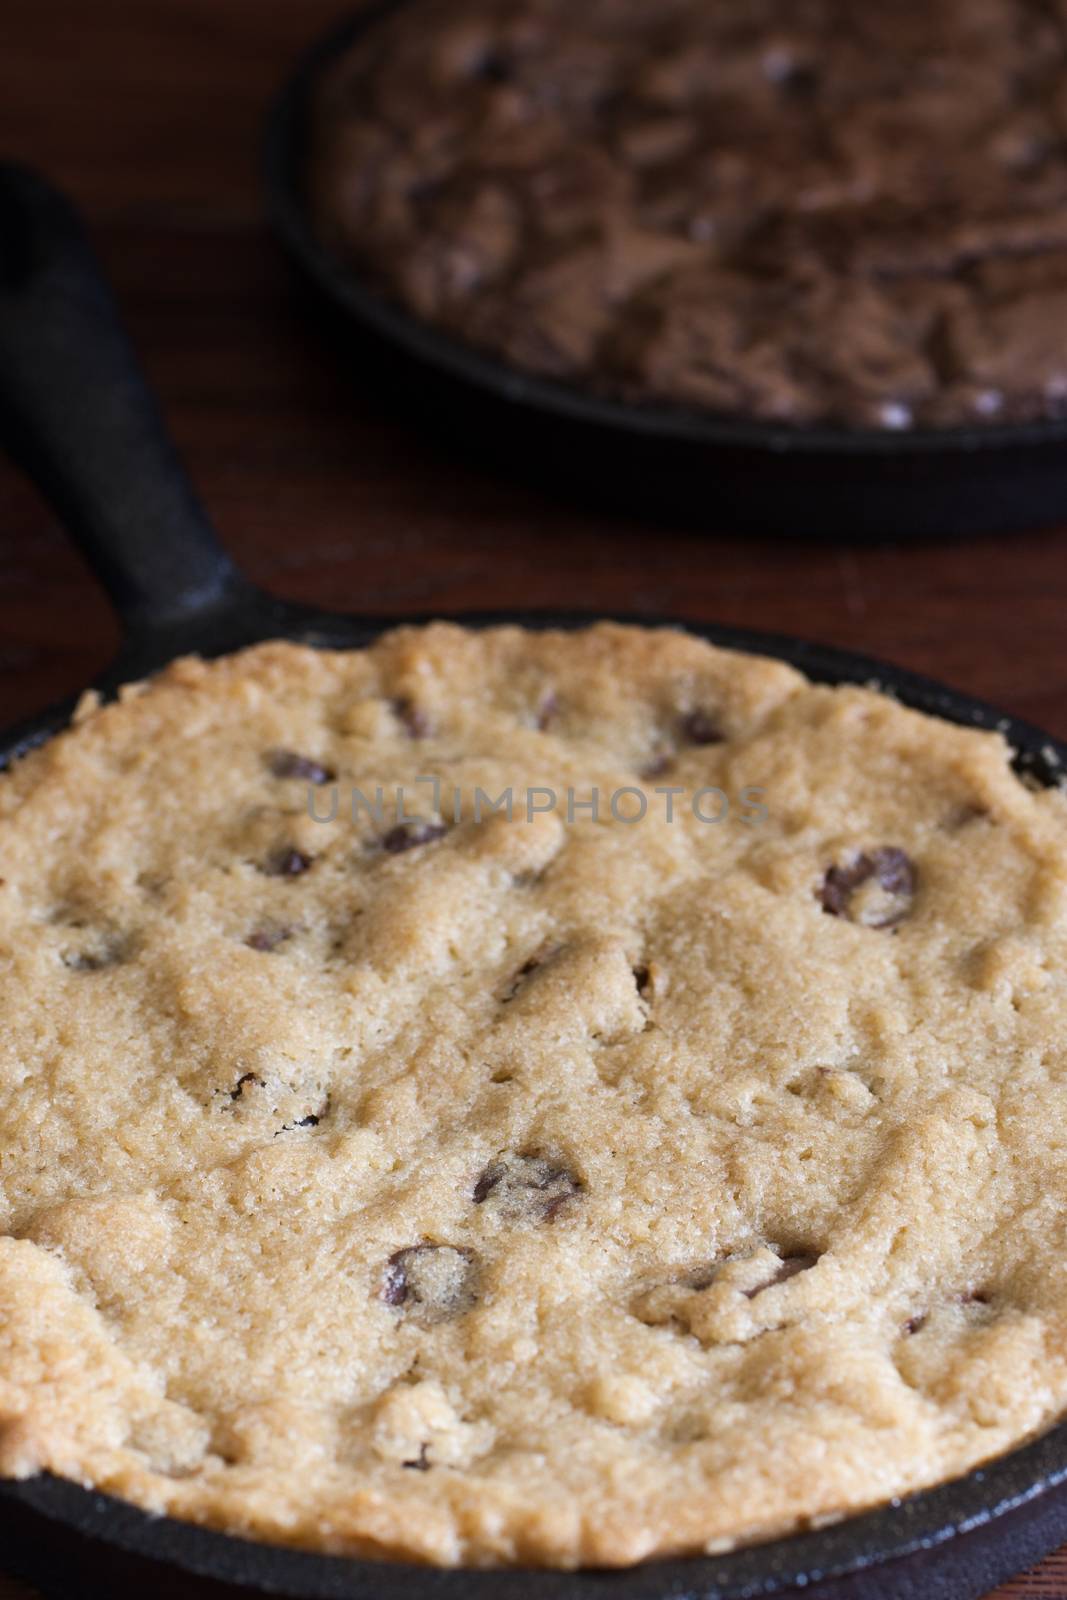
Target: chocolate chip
[
  {"x": 643, "y": 980},
  {"x": 547, "y": 710},
  {"x": 242, "y": 1083},
  {"x": 422, "y": 1463},
  {"x": 433, "y": 1282},
  {"x": 494, "y": 67},
  {"x": 894, "y": 870},
  {"x": 415, "y": 719},
  {"x": 394, "y": 1289},
  {"x": 699, "y": 727},
  {"x": 790, "y": 72},
  {"x": 312, "y": 1120},
  {"x": 701, "y": 1277},
  {"x": 527, "y": 1188},
  {"x": 891, "y": 874},
  {"x": 287, "y": 863},
  {"x": 488, "y": 1181},
  {"x": 914, "y": 1325},
  {"x": 838, "y": 884},
  {"x": 288, "y": 764},
  {"x": 789, "y": 1267},
  {"x": 408, "y": 835},
  {"x": 269, "y": 938}
]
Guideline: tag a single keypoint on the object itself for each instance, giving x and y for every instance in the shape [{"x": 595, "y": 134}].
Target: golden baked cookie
[{"x": 485, "y": 1181}]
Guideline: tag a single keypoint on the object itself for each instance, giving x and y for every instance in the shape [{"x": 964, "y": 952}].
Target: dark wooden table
[{"x": 148, "y": 111}]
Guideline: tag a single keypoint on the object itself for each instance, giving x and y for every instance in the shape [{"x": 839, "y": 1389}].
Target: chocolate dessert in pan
[
  {"x": 503, "y": 1194},
  {"x": 783, "y": 250}
]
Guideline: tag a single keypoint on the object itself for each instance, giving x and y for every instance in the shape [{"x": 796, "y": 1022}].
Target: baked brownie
[
  {"x": 802, "y": 211},
  {"x": 542, "y": 1188}
]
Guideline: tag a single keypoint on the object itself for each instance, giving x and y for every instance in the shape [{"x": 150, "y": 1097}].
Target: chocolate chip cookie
[
  {"x": 801, "y": 211},
  {"x": 591, "y": 1170}
]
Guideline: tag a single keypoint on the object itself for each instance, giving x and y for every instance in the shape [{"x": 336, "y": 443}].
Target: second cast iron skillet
[
  {"x": 75, "y": 412},
  {"x": 718, "y": 473}
]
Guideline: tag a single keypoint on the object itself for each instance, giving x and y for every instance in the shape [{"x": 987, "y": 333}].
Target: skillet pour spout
[{"x": 75, "y": 412}]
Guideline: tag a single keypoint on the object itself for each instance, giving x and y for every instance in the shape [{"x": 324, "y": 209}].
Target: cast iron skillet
[
  {"x": 717, "y": 473},
  {"x": 75, "y": 411}
]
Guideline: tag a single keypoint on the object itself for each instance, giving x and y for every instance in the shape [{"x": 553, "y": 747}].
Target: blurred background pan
[{"x": 717, "y": 474}]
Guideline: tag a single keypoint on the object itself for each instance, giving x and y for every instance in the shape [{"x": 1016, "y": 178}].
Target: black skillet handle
[{"x": 77, "y": 415}]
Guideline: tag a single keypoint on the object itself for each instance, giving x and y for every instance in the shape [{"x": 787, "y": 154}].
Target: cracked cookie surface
[{"x": 541, "y": 1189}]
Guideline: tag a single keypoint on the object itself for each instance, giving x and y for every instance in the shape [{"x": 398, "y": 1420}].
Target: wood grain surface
[{"x": 148, "y": 112}]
